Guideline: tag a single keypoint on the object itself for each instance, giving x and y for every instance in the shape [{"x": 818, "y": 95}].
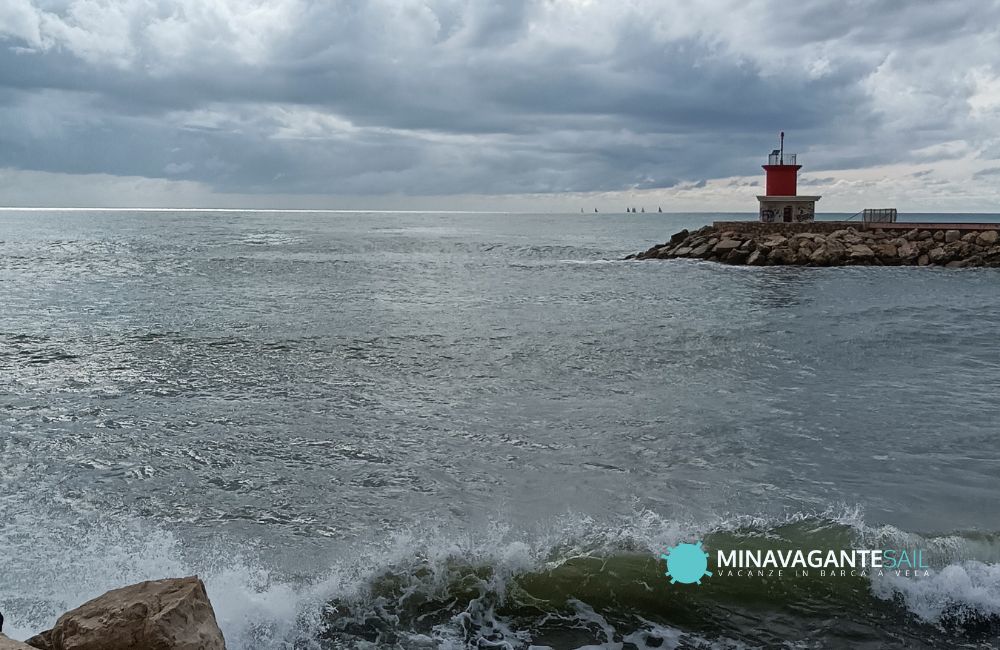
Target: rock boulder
[
  {"x": 170, "y": 614},
  {"x": 701, "y": 251},
  {"x": 727, "y": 245},
  {"x": 938, "y": 255},
  {"x": 886, "y": 251},
  {"x": 11, "y": 644},
  {"x": 678, "y": 237},
  {"x": 860, "y": 251},
  {"x": 988, "y": 237}
]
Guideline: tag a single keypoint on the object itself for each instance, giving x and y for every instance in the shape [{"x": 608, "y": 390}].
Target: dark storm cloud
[{"x": 445, "y": 96}]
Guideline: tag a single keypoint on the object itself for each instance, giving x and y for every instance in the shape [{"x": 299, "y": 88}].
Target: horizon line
[
  {"x": 11, "y": 208},
  {"x": 381, "y": 211}
]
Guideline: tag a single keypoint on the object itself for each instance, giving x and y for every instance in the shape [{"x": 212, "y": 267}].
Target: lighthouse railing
[{"x": 779, "y": 159}]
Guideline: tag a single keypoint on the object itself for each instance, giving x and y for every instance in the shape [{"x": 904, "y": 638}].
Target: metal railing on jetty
[
  {"x": 875, "y": 215},
  {"x": 879, "y": 215}
]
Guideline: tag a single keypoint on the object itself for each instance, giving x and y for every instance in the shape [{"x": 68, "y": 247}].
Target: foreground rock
[
  {"x": 11, "y": 644},
  {"x": 159, "y": 615},
  {"x": 843, "y": 247}
]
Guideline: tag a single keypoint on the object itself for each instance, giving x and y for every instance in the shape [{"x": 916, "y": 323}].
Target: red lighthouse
[{"x": 782, "y": 202}]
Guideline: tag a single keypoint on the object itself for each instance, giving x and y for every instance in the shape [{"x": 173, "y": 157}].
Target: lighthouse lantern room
[{"x": 782, "y": 202}]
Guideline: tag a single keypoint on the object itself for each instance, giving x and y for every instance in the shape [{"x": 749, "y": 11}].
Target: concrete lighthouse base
[{"x": 787, "y": 209}]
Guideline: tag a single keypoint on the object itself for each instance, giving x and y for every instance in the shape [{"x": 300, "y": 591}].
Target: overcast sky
[{"x": 501, "y": 104}]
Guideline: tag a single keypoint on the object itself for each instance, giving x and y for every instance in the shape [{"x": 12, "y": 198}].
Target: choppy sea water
[{"x": 473, "y": 430}]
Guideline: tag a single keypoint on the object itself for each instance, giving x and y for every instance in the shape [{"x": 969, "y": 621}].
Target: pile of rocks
[
  {"x": 173, "y": 614},
  {"x": 848, "y": 246}
]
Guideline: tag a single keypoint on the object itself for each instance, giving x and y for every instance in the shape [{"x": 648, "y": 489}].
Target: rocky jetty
[
  {"x": 173, "y": 614},
  {"x": 841, "y": 247}
]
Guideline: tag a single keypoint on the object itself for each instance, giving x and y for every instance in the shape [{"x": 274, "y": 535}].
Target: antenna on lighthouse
[{"x": 781, "y": 160}]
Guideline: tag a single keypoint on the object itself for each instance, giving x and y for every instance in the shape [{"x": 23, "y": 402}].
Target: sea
[{"x": 474, "y": 430}]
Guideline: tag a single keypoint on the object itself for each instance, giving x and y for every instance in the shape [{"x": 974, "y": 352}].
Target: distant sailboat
[
  {"x": 659, "y": 209},
  {"x": 644, "y": 210},
  {"x": 595, "y": 209}
]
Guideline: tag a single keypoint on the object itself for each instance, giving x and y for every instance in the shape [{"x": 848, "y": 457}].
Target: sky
[{"x": 548, "y": 105}]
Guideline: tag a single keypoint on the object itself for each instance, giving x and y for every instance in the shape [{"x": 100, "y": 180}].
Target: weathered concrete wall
[
  {"x": 797, "y": 210},
  {"x": 781, "y": 228}
]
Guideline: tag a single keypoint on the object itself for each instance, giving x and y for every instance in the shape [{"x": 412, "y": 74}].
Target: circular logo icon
[{"x": 686, "y": 563}]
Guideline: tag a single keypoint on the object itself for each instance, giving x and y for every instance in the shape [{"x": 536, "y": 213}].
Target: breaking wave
[{"x": 580, "y": 584}]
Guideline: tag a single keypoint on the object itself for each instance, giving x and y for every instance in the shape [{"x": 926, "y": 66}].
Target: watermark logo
[{"x": 686, "y": 563}]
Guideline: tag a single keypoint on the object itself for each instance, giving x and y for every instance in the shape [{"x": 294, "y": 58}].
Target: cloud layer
[{"x": 575, "y": 99}]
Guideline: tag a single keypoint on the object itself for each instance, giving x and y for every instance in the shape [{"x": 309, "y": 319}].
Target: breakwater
[{"x": 835, "y": 244}]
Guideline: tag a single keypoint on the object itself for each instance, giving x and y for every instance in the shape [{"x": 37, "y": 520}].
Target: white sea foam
[
  {"x": 45, "y": 572},
  {"x": 968, "y": 589}
]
